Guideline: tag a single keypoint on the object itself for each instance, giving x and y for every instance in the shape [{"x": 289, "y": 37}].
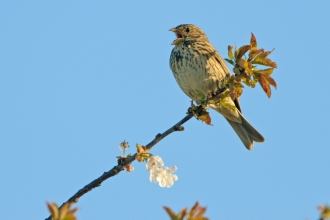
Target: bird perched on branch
[{"x": 199, "y": 69}]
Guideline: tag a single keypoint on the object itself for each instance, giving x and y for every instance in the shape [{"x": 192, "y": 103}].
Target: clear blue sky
[{"x": 78, "y": 77}]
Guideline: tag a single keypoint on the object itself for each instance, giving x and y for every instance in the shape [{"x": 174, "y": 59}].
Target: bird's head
[{"x": 188, "y": 32}]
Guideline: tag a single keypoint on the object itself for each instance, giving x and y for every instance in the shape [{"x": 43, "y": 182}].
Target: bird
[{"x": 199, "y": 70}]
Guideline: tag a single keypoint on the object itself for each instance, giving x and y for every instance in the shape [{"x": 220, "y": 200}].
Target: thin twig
[{"x": 116, "y": 169}]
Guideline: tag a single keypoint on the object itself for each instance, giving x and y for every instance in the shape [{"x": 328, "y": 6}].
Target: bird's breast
[{"x": 195, "y": 71}]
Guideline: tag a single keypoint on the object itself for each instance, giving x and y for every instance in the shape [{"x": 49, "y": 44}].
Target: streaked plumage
[{"x": 199, "y": 68}]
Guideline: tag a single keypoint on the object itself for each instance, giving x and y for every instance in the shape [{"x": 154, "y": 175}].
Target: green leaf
[
  {"x": 246, "y": 70},
  {"x": 235, "y": 51},
  {"x": 325, "y": 214},
  {"x": 241, "y": 51},
  {"x": 182, "y": 213},
  {"x": 230, "y": 61},
  {"x": 271, "y": 81},
  {"x": 253, "y": 42},
  {"x": 197, "y": 212},
  {"x": 245, "y": 65},
  {"x": 266, "y": 72},
  {"x": 254, "y": 53},
  {"x": 230, "y": 52},
  {"x": 264, "y": 61},
  {"x": 264, "y": 85},
  {"x": 193, "y": 210},
  {"x": 249, "y": 82},
  {"x": 171, "y": 213},
  {"x": 53, "y": 209},
  {"x": 264, "y": 54}
]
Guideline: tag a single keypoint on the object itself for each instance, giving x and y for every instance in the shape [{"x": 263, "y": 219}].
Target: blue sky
[{"x": 78, "y": 77}]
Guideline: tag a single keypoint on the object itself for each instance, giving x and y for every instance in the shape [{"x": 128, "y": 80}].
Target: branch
[{"x": 116, "y": 169}]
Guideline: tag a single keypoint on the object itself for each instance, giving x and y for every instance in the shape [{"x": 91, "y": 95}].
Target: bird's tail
[{"x": 246, "y": 132}]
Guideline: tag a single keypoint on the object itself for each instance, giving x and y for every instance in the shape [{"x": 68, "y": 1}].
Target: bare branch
[{"x": 116, "y": 169}]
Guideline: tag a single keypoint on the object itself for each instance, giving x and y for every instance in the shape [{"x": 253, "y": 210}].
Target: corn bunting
[{"x": 199, "y": 68}]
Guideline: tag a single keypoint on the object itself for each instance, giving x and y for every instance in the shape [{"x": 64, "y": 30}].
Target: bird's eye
[{"x": 187, "y": 30}]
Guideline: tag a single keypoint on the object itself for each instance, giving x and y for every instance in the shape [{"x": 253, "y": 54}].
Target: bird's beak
[
  {"x": 178, "y": 34},
  {"x": 173, "y": 29}
]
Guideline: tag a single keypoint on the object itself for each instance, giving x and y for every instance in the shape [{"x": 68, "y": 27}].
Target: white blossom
[
  {"x": 153, "y": 174},
  {"x": 123, "y": 145},
  {"x": 129, "y": 168},
  {"x": 159, "y": 173},
  {"x": 154, "y": 162},
  {"x": 164, "y": 176}
]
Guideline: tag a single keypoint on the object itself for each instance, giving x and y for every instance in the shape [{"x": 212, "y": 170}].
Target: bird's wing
[{"x": 224, "y": 66}]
